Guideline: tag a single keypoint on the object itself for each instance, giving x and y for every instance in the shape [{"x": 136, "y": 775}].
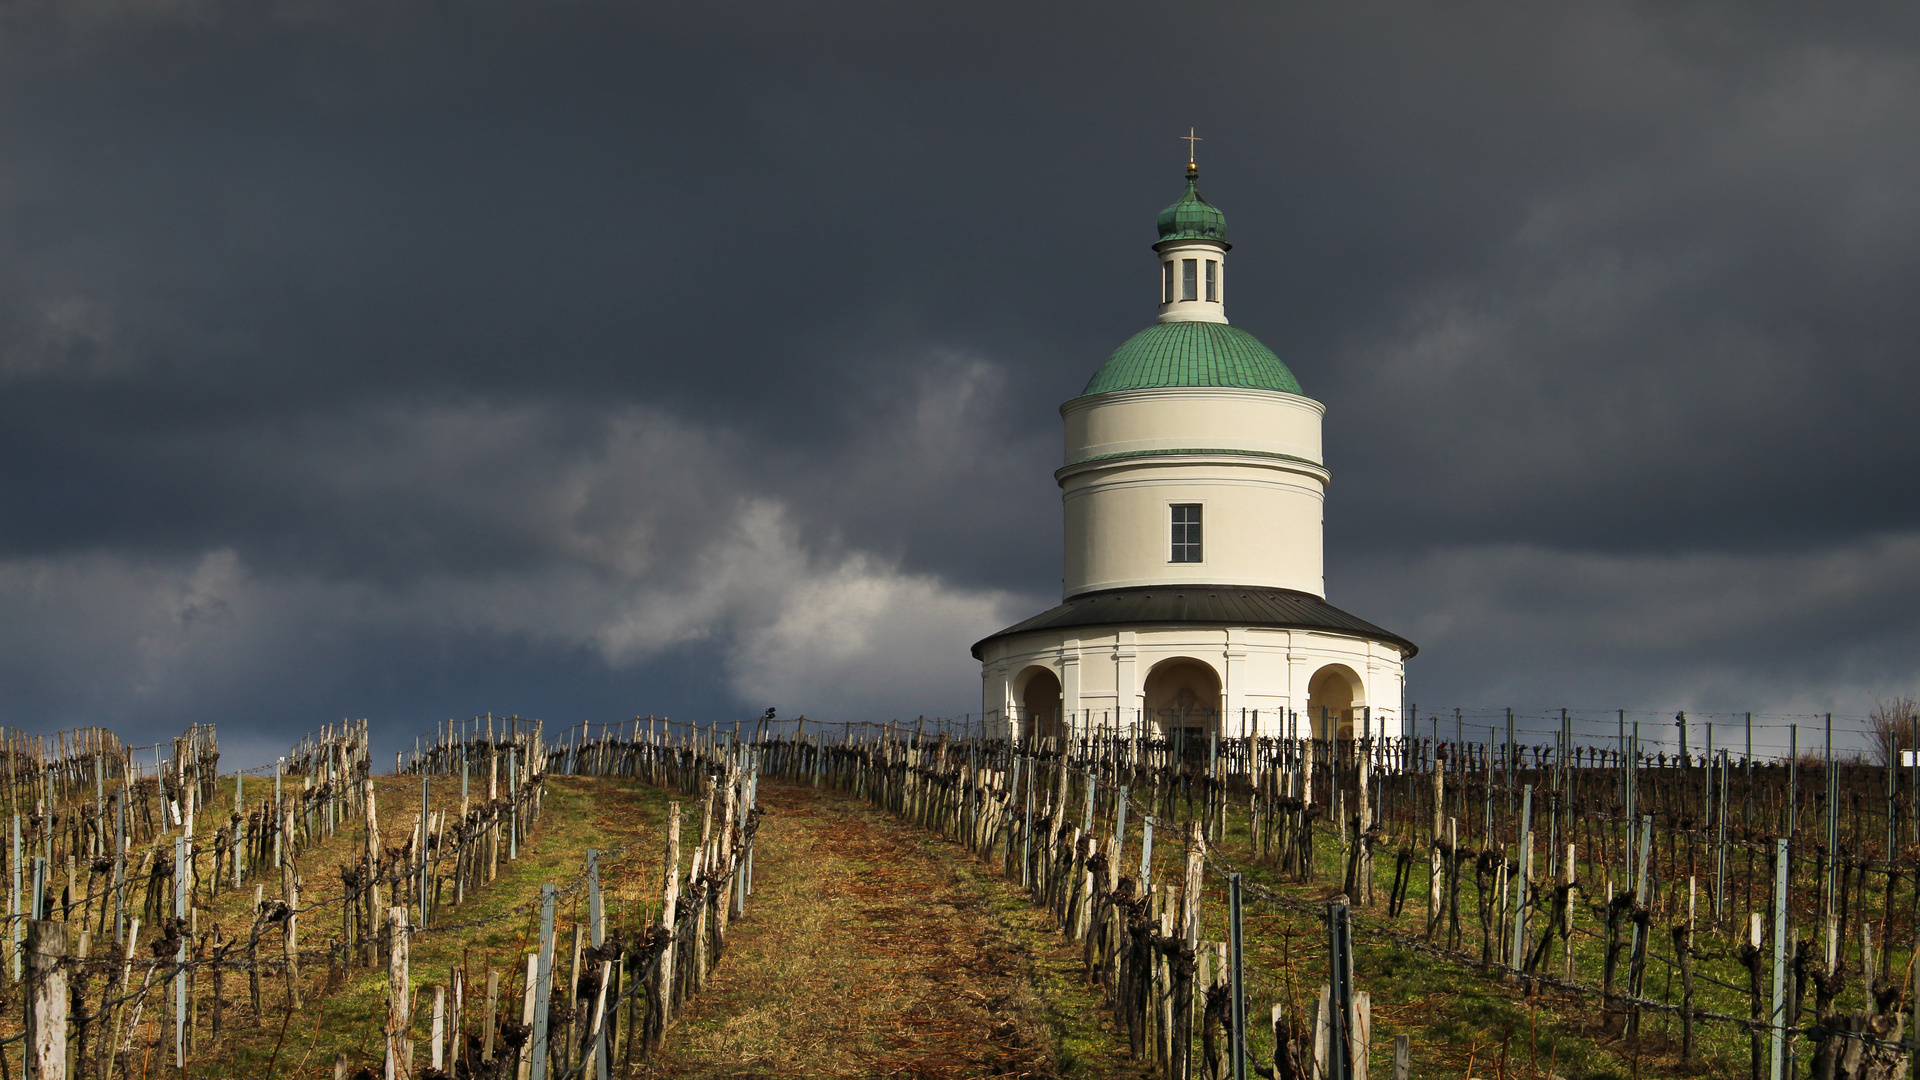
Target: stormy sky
[{"x": 410, "y": 359}]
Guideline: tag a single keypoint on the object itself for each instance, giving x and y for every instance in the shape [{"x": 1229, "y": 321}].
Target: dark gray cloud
[
  {"x": 1800, "y": 632},
  {"x": 400, "y": 359}
]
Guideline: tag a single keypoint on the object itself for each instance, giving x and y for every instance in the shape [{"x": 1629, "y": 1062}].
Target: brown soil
[{"x": 872, "y": 949}]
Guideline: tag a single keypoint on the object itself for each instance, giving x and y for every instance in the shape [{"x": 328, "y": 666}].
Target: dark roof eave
[
  {"x": 1166, "y": 240},
  {"x": 1202, "y": 605}
]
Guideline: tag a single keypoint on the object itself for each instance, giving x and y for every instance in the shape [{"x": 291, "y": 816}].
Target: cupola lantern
[{"x": 1193, "y": 257}]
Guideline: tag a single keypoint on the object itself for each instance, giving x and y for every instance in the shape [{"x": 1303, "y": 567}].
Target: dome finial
[{"x": 1193, "y": 218}]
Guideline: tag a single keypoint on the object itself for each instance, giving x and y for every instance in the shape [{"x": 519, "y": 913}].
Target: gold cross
[{"x": 1190, "y": 139}]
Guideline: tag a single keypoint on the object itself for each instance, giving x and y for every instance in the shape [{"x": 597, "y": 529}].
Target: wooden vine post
[
  {"x": 1435, "y": 859},
  {"x": 47, "y": 999},
  {"x": 373, "y": 879},
  {"x": 662, "y": 1011},
  {"x": 399, "y": 1048}
]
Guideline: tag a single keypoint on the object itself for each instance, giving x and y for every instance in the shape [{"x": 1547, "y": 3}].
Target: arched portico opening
[
  {"x": 1038, "y": 692},
  {"x": 1334, "y": 695},
  {"x": 1183, "y": 693}
]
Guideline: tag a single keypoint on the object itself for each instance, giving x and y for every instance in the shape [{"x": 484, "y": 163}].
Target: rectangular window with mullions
[
  {"x": 1186, "y": 533},
  {"x": 1166, "y": 290},
  {"x": 1213, "y": 294},
  {"x": 1189, "y": 279}
]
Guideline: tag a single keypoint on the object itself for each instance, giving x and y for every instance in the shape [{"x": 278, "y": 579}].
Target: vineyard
[
  {"x": 514, "y": 902},
  {"x": 1507, "y": 910},
  {"x": 168, "y": 920}
]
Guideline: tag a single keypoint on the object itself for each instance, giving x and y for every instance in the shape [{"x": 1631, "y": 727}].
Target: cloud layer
[
  {"x": 627, "y": 537},
  {"x": 400, "y": 360}
]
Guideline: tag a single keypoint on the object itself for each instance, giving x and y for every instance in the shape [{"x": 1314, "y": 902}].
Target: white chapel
[{"x": 1193, "y": 488}]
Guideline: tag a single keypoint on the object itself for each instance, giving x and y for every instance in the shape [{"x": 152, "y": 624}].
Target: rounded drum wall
[
  {"x": 1259, "y": 526},
  {"x": 1192, "y": 418}
]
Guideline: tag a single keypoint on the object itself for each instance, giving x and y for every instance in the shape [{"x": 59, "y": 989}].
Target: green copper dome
[
  {"x": 1193, "y": 217},
  {"x": 1192, "y": 354}
]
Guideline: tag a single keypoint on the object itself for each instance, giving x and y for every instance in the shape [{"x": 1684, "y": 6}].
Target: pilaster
[
  {"x": 1070, "y": 682},
  {"x": 1126, "y": 679},
  {"x": 1299, "y": 676},
  {"x": 1235, "y": 688}
]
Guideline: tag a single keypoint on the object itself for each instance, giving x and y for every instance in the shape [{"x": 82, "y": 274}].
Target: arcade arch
[
  {"x": 1334, "y": 696},
  {"x": 1183, "y": 692},
  {"x": 1037, "y": 691}
]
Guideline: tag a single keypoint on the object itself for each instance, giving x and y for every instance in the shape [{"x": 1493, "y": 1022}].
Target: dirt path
[{"x": 873, "y": 949}]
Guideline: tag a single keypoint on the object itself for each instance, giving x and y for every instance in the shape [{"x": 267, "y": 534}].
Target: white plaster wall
[
  {"x": 1193, "y": 418},
  {"x": 1260, "y": 524},
  {"x": 1261, "y": 517}
]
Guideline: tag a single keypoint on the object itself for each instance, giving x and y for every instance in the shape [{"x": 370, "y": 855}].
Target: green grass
[
  {"x": 1456, "y": 1014},
  {"x": 345, "y": 1009}
]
